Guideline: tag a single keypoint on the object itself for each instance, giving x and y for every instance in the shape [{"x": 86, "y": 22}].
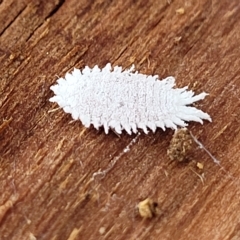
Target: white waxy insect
[{"x": 126, "y": 100}]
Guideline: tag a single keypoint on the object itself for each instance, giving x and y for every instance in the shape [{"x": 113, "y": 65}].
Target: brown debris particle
[
  {"x": 180, "y": 11},
  {"x": 180, "y": 145},
  {"x": 32, "y": 237},
  {"x": 199, "y": 165},
  {"x": 102, "y": 230},
  {"x": 147, "y": 208},
  {"x": 177, "y": 40}
]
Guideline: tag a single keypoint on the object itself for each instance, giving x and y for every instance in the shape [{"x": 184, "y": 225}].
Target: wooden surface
[{"x": 49, "y": 188}]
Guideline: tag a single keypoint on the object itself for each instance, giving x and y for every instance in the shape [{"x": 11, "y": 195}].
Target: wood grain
[{"x": 49, "y": 188}]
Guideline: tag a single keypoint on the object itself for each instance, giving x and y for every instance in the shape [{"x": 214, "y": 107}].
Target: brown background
[{"x": 47, "y": 189}]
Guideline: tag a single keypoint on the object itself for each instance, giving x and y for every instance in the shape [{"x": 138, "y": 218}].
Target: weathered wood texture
[{"x": 47, "y": 189}]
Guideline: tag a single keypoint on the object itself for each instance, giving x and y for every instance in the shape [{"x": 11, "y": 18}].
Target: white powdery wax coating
[{"x": 128, "y": 100}]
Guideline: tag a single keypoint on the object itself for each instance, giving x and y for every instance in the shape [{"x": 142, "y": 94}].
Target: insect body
[{"x": 126, "y": 100}]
